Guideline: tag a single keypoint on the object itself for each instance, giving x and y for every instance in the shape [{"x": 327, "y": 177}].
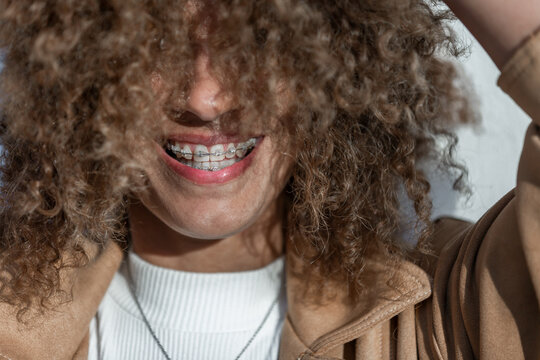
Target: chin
[
  {"x": 209, "y": 220},
  {"x": 206, "y": 235},
  {"x": 213, "y": 231}
]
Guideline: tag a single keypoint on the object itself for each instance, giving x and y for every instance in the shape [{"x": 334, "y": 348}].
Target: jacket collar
[
  {"x": 316, "y": 329},
  {"x": 308, "y": 329}
]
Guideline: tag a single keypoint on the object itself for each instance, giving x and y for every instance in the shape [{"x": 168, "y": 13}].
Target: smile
[{"x": 209, "y": 158}]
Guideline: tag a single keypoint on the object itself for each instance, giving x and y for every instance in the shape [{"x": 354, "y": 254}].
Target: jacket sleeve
[{"x": 486, "y": 282}]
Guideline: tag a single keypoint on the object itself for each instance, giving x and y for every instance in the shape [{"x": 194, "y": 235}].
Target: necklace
[{"x": 147, "y": 323}]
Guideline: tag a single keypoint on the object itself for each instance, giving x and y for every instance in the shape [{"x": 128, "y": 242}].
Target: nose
[{"x": 206, "y": 99}]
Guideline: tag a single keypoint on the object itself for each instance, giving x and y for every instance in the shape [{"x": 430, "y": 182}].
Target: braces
[
  {"x": 208, "y": 169},
  {"x": 219, "y": 153},
  {"x": 199, "y": 165}
]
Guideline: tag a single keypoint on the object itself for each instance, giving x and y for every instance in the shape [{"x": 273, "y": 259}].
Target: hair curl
[{"x": 371, "y": 97}]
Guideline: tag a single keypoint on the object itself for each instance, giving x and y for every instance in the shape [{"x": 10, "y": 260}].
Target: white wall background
[{"x": 490, "y": 151}]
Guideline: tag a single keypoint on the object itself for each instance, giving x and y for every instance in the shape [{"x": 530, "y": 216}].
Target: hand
[{"x": 499, "y": 25}]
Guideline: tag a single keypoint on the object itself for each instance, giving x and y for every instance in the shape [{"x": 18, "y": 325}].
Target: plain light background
[{"x": 491, "y": 150}]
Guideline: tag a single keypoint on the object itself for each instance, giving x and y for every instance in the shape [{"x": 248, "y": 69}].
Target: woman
[{"x": 207, "y": 139}]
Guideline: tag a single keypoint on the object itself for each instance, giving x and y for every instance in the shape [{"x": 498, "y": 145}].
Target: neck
[{"x": 250, "y": 249}]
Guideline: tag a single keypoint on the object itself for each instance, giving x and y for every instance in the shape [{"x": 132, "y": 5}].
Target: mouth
[{"x": 209, "y": 158}]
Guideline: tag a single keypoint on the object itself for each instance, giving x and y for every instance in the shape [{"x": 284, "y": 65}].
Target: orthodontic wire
[{"x": 213, "y": 154}]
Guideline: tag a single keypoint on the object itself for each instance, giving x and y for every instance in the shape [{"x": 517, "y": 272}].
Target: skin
[
  {"x": 234, "y": 226},
  {"x": 500, "y": 26}
]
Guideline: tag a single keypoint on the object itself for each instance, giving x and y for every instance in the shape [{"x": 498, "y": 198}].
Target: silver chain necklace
[{"x": 132, "y": 290}]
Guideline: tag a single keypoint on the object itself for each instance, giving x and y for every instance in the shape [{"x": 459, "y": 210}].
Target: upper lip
[{"x": 208, "y": 140}]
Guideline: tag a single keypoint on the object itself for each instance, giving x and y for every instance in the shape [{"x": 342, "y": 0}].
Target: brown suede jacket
[{"x": 480, "y": 299}]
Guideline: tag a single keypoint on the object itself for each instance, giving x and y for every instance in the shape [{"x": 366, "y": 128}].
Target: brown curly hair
[{"x": 372, "y": 95}]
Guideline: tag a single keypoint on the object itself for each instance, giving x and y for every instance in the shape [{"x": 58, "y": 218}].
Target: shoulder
[
  {"x": 66, "y": 326},
  {"x": 483, "y": 293}
]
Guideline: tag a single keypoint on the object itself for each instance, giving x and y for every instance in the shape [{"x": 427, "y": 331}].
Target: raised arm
[
  {"x": 486, "y": 287},
  {"x": 499, "y": 25}
]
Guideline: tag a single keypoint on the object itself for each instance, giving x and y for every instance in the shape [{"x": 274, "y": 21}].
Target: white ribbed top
[{"x": 194, "y": 315}]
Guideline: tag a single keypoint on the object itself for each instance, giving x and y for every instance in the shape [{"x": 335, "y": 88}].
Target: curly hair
[{"x": 371, "y": 96}]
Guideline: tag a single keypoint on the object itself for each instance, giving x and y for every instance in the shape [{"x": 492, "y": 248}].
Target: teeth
[
  {"x": 201, "y": 153},
  {"x": 175, "y": 148},
  {"x": 217, "y": 153},
  {"x": 231, "y": 151},
  {"x": 201, "y": 165},
  {"x": 210, "y": 165},
  {"x": 186, "y": 152},
  {"x": 241, "y": 150},
  {"x": 215, "y": 159},
  {"x": 224, "y": 164}
]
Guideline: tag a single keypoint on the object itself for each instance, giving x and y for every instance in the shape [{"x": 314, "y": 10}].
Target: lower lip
[{"x": 203, "y": 177}]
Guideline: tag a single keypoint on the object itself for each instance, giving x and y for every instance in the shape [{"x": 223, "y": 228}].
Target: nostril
[
  {"x": 189, "y": 118},
  {"x": 185, "y": 117}
]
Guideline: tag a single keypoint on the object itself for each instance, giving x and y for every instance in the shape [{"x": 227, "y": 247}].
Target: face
[{"x": 211, "y": 184}]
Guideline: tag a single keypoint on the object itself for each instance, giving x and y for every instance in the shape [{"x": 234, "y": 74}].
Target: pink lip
[
  {"x": 207, "y": 140},
  {"x": 203, "y": 177}
]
